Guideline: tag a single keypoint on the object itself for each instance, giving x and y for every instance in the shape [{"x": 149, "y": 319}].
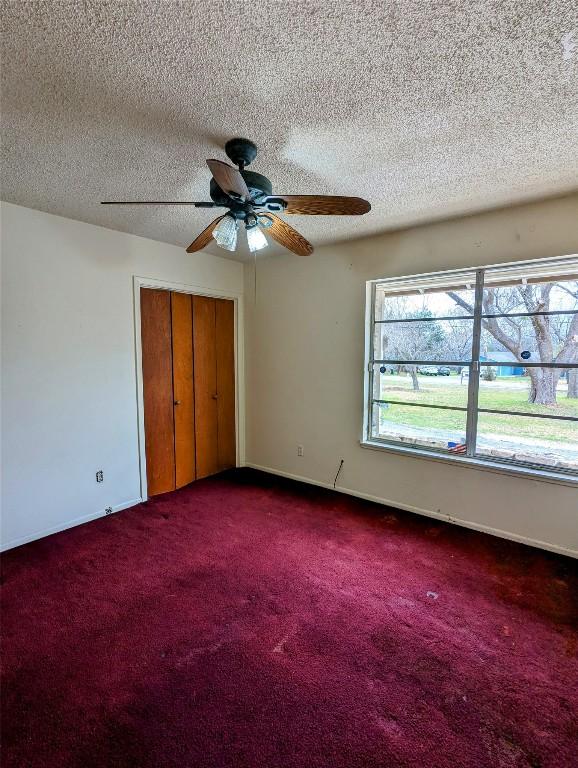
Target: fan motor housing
[{"x": 259, "y": 187}]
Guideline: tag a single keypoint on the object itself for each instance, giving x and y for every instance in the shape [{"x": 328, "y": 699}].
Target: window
[{"x": 478, "y": 365}]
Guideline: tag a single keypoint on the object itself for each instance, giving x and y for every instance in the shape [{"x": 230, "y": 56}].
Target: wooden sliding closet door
[
  {"x": 225, "y": 333},
  {"x": 184, "y": 403},
  {"x": 214, "y": 353},
  {"x": 204, "y": 349},
  {"x": 157, "y": 368},
  {"x": 188, "y": 363}
]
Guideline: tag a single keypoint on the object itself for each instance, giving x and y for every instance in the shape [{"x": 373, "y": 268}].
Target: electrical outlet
[
  {"x": 299, "y": 450},
  {"x": 108, "y": 511},
  {"x": 99, "y": 476}
]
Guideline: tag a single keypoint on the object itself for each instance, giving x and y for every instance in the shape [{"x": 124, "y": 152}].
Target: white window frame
[{"x": 562, "y": 266}]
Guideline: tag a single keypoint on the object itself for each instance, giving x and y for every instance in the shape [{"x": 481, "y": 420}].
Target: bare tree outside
[
  {"x": 547, "y": 338},
  {"x": 410, "y": 340}
]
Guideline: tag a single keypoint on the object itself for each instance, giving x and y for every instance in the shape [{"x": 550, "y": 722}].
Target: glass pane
[
  {"x": 451, "y": 301},
  {"x": 433, "y": 340},
  {"x": 429, "y": 385},
  {"x": 511, "y": 341},
  {"x": 536, "y": 390},
  {"x": 532, "y": 297},
  {"x": 533, "y": 441},
  {"x": 422, "y": 427}
]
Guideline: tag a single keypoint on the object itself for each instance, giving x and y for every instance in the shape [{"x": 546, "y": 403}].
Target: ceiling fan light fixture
[
  {"x": 256, "y": 240},
  {"x": 225, "y": 233}
]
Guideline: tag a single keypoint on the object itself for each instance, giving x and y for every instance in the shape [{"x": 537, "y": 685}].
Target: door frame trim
[{"x": 195, "y": 290}]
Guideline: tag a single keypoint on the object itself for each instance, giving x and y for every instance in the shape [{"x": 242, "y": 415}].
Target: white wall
[
  {"x": 305, "y": 359},
  {"x": 68, "y": 364},
  {"x": 69, "y": 385}
]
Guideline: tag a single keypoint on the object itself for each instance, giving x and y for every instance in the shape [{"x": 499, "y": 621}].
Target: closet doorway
[{"x": 188, "y": 377}]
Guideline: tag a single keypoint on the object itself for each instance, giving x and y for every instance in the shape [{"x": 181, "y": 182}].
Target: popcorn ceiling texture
[{"x": 428, "y": 110}]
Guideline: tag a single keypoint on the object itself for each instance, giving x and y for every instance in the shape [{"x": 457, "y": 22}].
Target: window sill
[{"x": 476, "y": 463}]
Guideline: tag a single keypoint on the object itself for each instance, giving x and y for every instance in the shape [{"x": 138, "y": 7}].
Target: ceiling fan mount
[
  {"x": 241, "y": 151},
  {"x": 248, "y": 198}
]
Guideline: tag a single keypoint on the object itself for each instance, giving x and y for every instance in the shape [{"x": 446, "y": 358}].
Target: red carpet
[{"x": 251, "y": 622}]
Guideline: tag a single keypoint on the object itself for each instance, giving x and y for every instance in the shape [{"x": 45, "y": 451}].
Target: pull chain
[{"x": 255, "y": 276}]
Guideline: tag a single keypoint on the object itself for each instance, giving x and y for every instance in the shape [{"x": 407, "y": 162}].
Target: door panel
[
  {"x": 184, "y": 405},
  {"x": 225, "y": 342},
  {"x": 205, "y": 376},
  {"x": 158, "y": 390}
]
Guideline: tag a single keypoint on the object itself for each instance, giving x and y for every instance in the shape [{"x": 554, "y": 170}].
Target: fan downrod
[{"x": 241, "y": 151}]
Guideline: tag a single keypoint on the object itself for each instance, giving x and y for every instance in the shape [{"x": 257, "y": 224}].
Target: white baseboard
[
  {"x": 299, "y": 478},
  {"x": 64, "y": 526},
  {"x": 427, "y": 512}
]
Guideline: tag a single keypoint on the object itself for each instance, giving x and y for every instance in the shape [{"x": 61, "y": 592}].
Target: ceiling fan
[{"x": 249, "y": 198}]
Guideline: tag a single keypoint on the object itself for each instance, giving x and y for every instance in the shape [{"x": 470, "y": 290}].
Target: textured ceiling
[{"x": 427, "y": 109}]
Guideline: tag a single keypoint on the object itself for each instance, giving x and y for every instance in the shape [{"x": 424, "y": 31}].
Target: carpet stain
[
  {"x": 280, "y": 647},
  {"x": 201, "y": 651},
  {"x": 572, "y": 646},
  {"x": 389, "y": 726}
]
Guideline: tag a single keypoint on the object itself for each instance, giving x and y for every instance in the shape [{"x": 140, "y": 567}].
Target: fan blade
[
  {"x": 205, "y": 237},
  {"x": 159, "y": 202},
  {"x": 287, "y": 236},
  {"x": 229, "y": 179},
  {"x": 325, "y": 205}
]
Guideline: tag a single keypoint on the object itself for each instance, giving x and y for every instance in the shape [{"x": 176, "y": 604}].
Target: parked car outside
[
  {"x": 428, "y": 370},
  {"x": 443, "y": 370}
]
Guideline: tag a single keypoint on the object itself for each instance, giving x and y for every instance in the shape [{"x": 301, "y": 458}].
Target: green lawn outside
[{"x": 506, "y": 393}]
